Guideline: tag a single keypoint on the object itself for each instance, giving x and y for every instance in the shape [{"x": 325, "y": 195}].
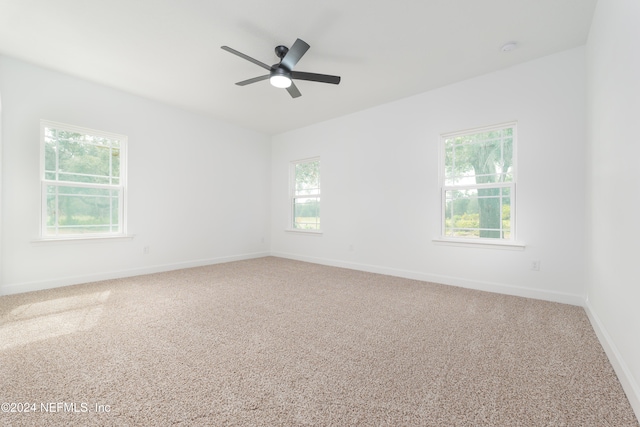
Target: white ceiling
[{"x": 169, "y": 50}]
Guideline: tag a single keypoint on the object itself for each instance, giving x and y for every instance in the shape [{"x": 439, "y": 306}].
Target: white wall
[
  {"x": 613, "y": 290},
  {"x": 380, "y": 183},
  {"x": 198, "y": 188}
]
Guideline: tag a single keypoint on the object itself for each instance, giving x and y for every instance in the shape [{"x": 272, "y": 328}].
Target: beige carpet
[{"x": 275, "y": 342}]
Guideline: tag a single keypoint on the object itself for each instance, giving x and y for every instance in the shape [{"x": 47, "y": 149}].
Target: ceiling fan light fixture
[{"x": 280, "y": 81}]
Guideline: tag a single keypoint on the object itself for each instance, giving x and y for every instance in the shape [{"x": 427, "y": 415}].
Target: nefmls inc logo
[{"x": 77, "y": 407}]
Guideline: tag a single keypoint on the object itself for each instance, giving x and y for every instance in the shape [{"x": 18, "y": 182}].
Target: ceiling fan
[{"x": 281, "y": 75}]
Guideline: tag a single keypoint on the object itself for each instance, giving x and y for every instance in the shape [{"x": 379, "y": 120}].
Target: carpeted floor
[{"x": 276, "y": 342}]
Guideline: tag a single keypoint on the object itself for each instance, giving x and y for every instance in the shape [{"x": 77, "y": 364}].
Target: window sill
[
  {"x": 481, "y": 243},
  {"x": 309, "y": 232},
  {"x": 45, "y": 240}
]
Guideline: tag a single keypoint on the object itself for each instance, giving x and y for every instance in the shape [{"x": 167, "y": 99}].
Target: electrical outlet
[
  {"x": 145, "y": 250},
  {"x": 535, "y": 265}
]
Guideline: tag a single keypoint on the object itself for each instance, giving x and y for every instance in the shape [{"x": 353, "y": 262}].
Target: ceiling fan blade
[
  {"x": 253, "y": 80},
  {"x": 296, "y": 51},
  {"x": 243, "y": 56},
  {"x": 293, "y": 90},
  {"x": 322, "y": 78}
]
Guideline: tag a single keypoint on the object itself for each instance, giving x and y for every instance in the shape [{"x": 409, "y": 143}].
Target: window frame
[
  {"x": 293, "y": 196},
  {"x": 511, "y": 185},
  {"x": 121, "y": 186}
]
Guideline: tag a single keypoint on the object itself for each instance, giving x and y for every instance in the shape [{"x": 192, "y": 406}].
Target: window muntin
[
  {"x": 82, "y": 181},
  {"x": 479, "y": 183},
  {"x": 305, "y": 195}
]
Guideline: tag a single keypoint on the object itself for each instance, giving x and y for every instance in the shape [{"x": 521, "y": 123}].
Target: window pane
[
  {"x": 478, "y": 213},
  {"x": 69, "y": 230},
  {"x": 307, "y": 178},
  {"x": 84, "y": 163},
  {"x": 306, "y": 213},
  {"x": 78, "y": 210},
  {"x": 50, "y": 155},
  {"x": 479, "y": 158},
  {"x": 76, "y": 157}
]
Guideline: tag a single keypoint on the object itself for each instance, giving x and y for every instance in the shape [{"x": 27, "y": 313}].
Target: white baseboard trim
[
  {"x": 501, "y": 288},
  {"x": 629, "y": 384},
  {"x": 18, "y": 288}
]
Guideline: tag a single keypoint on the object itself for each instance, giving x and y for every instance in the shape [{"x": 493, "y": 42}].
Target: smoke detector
[{"x": 509, "y": 46}]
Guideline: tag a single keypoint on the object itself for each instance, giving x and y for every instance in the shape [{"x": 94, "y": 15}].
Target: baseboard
[
  {"x": 445, "y": 280},
  {"x": 18, "y": 288},
  {"x": 629, "y": 384},
  {"x": 500, "y": 288}
]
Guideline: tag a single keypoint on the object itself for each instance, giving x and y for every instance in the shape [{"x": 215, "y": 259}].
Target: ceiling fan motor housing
[{"x": 281, "y": 51}]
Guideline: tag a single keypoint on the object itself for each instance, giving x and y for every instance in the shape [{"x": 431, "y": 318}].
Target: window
[
  {"x": 478, "y": 183},
  {"x": 305, "y": 195},
  {"x": 83, "y": 181}
]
